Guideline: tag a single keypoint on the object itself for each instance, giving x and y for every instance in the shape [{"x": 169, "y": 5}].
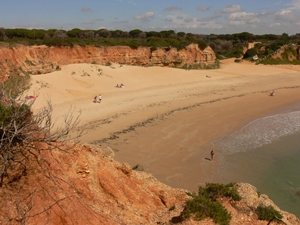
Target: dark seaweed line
[{"x": 163, "y": 116}]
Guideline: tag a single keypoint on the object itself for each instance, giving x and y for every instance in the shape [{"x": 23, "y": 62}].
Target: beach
[{"x": 167, "y": 120}]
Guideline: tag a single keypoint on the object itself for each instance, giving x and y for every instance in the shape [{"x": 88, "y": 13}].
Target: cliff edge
[
  {"x": 75, "y": 184},
  {"x": 43, "y": 59}
]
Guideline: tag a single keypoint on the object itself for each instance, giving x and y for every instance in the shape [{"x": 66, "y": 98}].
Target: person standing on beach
[{"x": 212, "y": 153}]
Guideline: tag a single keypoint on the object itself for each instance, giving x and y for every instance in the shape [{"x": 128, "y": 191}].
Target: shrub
[
  {"x": 267, "y": 213},
  {"x": 20, "y": 129},
  {"x": 250, "y": 53},
  {"x": 204, "y": 204},
  {"x": 13, "y": 87},
  {"x": 201, "y": 207},
  {"x": 214, "y": 191}
]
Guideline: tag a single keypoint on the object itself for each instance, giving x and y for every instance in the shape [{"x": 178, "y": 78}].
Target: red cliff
[
  {"x": 83, "y": 185},
  {"x": 43, "y": 59}
]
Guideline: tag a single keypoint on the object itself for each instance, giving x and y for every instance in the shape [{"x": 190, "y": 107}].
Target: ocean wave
[{"x": 261, "y": 132}]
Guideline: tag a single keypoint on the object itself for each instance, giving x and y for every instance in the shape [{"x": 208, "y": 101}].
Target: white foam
[{"x": 260, "y": 132}]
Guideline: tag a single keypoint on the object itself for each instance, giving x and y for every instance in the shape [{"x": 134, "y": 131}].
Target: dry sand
[{"x": 166, "y": 119}]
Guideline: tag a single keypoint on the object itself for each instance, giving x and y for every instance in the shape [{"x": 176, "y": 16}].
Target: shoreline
[
  {"x": 186, "y": 157},
  {"x": 272, "y": 168},
  {"x": 183, "y": 111}
]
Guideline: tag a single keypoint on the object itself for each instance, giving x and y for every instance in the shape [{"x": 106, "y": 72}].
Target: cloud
[
  {"x": 236, "y": 16},
  {"x": 146, "y": 17},
  {"x": 187, "y": 22},
  {"x": 232, "y": 9},
  {"x": 290, "y": 14},
  {"x": 86, "y": 10},
  {"x": 275, "y": 24},
  {"x": 284, "y": 12},
  {"x": 242, "y": 18},
  {"x": 296, "y": 4}
]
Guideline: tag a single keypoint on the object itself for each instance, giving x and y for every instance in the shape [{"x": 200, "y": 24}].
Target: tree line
[{"x": 225, "y": 45}]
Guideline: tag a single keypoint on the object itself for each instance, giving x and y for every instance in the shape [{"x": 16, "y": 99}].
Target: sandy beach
[{"x": 167, "y": 119}]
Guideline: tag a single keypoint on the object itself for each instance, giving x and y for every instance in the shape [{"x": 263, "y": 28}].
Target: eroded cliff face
[
  {"x": 84, "y": 185},
  {"x": 43, "y": 59},
  {"x": 289, "y": 53}
]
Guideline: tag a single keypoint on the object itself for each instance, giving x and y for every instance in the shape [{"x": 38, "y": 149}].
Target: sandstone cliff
[
  {"x": 84, "y": 185},
  {"x": 43, "y": 59},
  {"x": 289, "y": 53},
  {"x": 286, "y": 54}
]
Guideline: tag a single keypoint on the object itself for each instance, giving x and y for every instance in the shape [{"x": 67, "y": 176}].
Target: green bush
[
  {"x": 250, "y": 53},
  {"x": 201, "y": 207},
  {"x": 214, "y": 191},
  {"x": 267, "y": 213},
  {"x": 20, "y": 129},
  {"x": 15, "y": 85},
  {"x": 204, "y": 204}
]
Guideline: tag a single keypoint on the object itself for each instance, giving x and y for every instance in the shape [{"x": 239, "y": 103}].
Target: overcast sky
[{"x": 196, "y": 16}]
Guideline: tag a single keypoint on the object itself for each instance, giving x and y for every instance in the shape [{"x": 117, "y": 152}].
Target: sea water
[{"x": 266, "y": 153}]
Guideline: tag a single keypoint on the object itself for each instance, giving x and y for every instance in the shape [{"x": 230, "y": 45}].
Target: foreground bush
[
  {"x": 204, "y": 204},
  {"x": 267, "y": 213},
  {"x": 20, "y": 129}
]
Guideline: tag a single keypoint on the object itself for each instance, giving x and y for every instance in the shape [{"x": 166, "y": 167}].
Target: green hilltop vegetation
[
  {"x": 225, "y": 45},
  {"x": 286, "y": 54}
]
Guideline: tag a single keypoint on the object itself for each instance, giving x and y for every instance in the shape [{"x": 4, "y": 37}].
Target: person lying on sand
[
  {"x": 272, "y": 93},
  {"x": 97, "y": 99},
  {"x": 120, "y": 85}
]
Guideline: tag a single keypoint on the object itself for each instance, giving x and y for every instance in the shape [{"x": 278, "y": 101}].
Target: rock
[{"x": 251, "y": 199}]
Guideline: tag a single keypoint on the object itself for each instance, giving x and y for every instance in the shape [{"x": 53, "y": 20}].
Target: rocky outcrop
[
  {"x": 42, "y": 59},
  {"x": 287, "y": 53},
  {"x": 77, "y": 185},
  {"x": 83, "y": 185},
  {"x": 251, "y": 199},
  {"x": 189, "y": 56}
]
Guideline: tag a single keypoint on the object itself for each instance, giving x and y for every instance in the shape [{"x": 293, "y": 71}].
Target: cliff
[
  {"x": 84, "y": 185},
  {"x": 290, "y": 53},
  {"x": 43, "y": 59},
  {"x": 287, "y": 54}
]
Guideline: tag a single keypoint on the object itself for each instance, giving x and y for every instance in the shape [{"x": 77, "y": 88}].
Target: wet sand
[{"x": 177, "y": 149}]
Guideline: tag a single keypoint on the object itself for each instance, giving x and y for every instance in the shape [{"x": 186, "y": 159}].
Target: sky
[{"x": 195, "y": 16}]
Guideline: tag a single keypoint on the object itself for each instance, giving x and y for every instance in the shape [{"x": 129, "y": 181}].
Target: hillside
[
  {"x": 84, "y": 185},
  {"x": 287, "y": 54},
  {"x": 224, "y": 45}
]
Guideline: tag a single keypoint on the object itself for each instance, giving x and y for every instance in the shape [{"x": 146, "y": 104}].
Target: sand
[{"x": 167, "y": 119}]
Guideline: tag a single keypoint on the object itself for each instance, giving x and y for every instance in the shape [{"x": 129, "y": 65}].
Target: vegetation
[
  {"x": 216, "y": 65},
  {"x": 268, "y": 213},
  {"x": 250, "y": 53},
  {"x": 204, "y": 204},
  {"x": 21, "y": 130},
  {"x": 229, "y": 45},
  {"x": 288, "y": 55}
]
